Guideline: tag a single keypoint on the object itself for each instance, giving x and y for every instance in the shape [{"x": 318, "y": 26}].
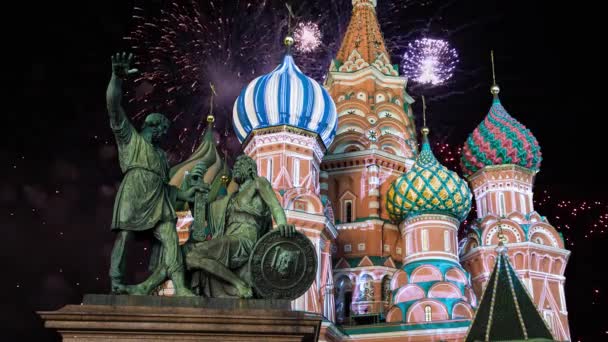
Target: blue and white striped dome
[{"x": 285, "y": 97}]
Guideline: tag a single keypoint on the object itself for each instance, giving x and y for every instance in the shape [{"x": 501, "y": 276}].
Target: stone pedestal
[{"x": 154, "y": 318}]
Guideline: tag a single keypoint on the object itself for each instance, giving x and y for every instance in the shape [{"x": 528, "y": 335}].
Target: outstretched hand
[
  {"x": 121, "y": 65},
  {"x": 287, "y": 230}
]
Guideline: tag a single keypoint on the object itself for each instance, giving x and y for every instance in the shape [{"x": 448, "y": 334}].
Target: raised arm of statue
[
  {"x": 267, "y": 194},
  {"x": 121, "y": 63}
]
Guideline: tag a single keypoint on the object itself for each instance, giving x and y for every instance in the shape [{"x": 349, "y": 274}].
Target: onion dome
[
  {"x": 285, "y": 97},
  {"x": 428, "y": 187},
  {"x": 500, "y": 139}
]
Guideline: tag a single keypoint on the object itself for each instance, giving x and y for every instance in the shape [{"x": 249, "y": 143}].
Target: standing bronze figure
[{"x": 145, "y": 201}]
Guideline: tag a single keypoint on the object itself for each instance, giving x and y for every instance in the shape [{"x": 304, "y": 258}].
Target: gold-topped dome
[{"x": 428, "y": 187}]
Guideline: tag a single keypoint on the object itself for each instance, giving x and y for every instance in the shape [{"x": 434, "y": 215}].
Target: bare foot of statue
[{"x": 244, "y": 290}]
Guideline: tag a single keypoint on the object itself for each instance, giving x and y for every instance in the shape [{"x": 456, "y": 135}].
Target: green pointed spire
[{"x": 506, "y": 311}]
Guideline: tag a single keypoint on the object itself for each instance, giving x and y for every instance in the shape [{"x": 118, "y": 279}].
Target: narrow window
[
  {"x": 446, "y": 241},
  {"x": 501, "y": 204},
  {"x": 425, "y": 240},
  {"x": 296, "y": 172},
  {"x": 428, "y": 313},
  {"x": 522, "y": 203},
  {"x": 269, "y": 170},
  {"x": 348, "y": 211}
]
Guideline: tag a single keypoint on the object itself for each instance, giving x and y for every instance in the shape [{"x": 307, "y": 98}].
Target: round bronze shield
[{"x": 282, "y": 267}]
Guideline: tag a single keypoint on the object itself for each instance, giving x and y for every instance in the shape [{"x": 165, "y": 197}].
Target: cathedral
[{"x": 355, "y": 176}]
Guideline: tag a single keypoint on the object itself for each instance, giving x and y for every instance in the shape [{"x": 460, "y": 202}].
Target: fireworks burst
[
  {"x": 307, "y": 36},
  {"x": 188, "y": 44},
  {"x": 570, "y": 217},
  {"x": 183, "y": 45},
  {"x": 429, "y": 61}
]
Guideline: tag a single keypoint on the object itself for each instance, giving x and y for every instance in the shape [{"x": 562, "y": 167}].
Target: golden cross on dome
[
  {"x": 423, "y": 112},
  {"x": 493, "y": 70},
  {"x": 210, "y": 117},
  {"x": 290, "y": 16},
  {"x": 494, "y": 89},
  {"x": 425, "y": 130},
  {"x": 289, "y": 41}
]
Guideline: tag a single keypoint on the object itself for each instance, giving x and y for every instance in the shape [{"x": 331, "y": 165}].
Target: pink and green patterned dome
[{"x": 500, "y": 139}]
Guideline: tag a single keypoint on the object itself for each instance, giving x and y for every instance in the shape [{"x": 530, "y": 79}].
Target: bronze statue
[
  {"x": 236, "y": 222},
  {"x": 229, "y": 250},
  {"x": 145, "y": 201}
]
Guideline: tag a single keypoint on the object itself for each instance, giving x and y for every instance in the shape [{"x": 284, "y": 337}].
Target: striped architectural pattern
[
  {"x": 285, "y": 97},
  {"x": 500, "y": 139}
]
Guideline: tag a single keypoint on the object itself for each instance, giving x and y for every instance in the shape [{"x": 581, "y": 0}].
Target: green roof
[
  {"x": 376, "y": 261},
  {"x": 394, "y": 327},
  {"x": 506, "y": 311}
]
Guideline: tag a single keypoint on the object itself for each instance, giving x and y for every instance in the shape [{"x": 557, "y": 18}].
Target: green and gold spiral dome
[{"x": 428, "y": 187}]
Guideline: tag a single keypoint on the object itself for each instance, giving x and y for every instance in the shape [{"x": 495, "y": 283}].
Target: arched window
[
  {"x": 366, "y": 288},
  {"x": 296, "y": 172},
  {"x": 343, "y": 298},
  {"x": 522, "y": 203},
  {"x": 269, "y": 169},
  {"x": 428, "y": 313},
  {"x": 501, "y": 204},
  {"x": 408, "y": 243},
  {"x": 425, "y": 240},
  {"x": 386, "y": 288},
  {"x": 446, "y": 241},
  {"x": 348, "y": 211}
]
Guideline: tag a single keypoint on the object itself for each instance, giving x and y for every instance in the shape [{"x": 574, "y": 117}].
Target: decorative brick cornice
[{"x": 284, "y": 134}]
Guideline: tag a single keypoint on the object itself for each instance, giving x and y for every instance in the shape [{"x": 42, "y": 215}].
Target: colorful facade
[
  {"x": 501, "y": 158},
  {"x": 383, "y": 214}
]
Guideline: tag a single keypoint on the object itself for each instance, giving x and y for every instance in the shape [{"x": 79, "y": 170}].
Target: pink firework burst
[
  {"x": 307, "y": 36},
  {"x": 430, "y": 61}
]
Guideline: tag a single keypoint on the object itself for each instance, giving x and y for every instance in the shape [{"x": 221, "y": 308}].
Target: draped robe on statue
[
  {"x": 235, "y": 228},
  {"x": 144, "y": 198}
]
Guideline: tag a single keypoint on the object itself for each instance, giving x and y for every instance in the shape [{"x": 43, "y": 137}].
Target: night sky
[{"x": 59, "y": 170}]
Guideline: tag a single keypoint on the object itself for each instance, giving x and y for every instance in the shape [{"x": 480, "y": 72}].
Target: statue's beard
[
  {"x": 154, "y": 135},
  {"x": 238, "y": 177}
]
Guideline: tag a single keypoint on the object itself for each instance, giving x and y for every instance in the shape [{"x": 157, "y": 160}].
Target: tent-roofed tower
[
  {"x": 364, "y": 36},
  {"x": 500, "y": 159},
  {"x": 506, "y": 312},
  {"x": 374, "y": 144}
]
